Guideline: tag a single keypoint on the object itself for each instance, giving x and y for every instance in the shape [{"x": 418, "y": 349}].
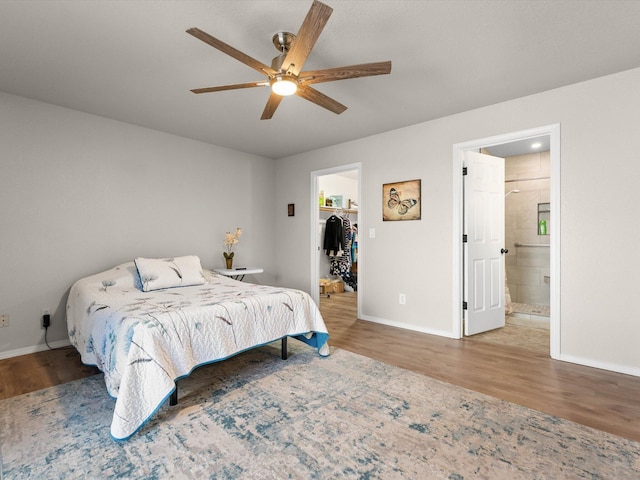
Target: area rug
[{"x": 256, "y": 416}]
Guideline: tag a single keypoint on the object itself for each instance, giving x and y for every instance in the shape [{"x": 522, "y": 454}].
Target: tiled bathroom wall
[{"x": 527, "y": 266}]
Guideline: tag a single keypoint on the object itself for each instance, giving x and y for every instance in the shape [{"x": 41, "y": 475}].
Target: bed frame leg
[{"x": 173, "y": 399}]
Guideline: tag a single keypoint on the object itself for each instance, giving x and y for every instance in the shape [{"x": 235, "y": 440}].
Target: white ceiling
[{"x": 131, "y": 60}]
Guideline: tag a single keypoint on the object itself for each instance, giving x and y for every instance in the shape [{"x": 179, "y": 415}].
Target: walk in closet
[{"x": 338, "y": 233}]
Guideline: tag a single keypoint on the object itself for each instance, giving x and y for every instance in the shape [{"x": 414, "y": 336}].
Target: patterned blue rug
[{"x": 344, "y": 416}]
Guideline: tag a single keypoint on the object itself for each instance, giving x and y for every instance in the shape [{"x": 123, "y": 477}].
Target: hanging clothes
[
  {"x": 340, "y": 265},
  {"x": 354, "y": 243},
  {"x": 334, "y": 236}
]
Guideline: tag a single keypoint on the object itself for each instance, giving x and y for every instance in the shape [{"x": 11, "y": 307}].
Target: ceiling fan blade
[
  {"x": 306, "y": 37},
  {"x": 343, "y": 73},
  {"x": 271, "y": 106},
  {"x": 232, "y": 52},
  {"x": 230, "y": 87},
  {"x": 321, "y": 99}
]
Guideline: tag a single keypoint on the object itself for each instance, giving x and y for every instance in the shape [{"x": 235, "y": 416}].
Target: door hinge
[
  {"x": 464, "y": 305},
  {"x": 464, "y": 170},
  {"x": 464, "y": 238}
]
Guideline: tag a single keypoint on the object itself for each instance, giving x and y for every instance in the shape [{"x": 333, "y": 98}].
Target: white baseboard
[
  {"x": 612, "y": 367},
  {"x": 33, "y": 349},
  {"x": 406, "y": 326}
]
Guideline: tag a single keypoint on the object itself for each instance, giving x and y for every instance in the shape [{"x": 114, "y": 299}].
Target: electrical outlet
[
  {"x": 372, "y": 233},
  {"x": 402, "y": 299},
  {"x": 46, "y": 317},
  {"x": 4, "y": 320}
]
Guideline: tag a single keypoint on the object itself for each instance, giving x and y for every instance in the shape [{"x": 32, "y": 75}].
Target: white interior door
[{"x": 484, "y": 248}]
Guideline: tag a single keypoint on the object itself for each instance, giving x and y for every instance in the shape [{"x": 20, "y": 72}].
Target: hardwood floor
[
  {"x": 526, "y": 376},
  {"x": 28, "y": 373}
]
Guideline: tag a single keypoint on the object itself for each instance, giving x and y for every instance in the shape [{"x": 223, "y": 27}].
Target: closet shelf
[{"x": 335, "y": 209}]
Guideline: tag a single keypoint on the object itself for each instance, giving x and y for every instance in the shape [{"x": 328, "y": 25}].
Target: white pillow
[{"x": 159, "y": 273}]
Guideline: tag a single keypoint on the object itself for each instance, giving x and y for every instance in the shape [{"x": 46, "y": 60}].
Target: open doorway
[
  {"x": 526, "y": 194},
  {"x": 527, "y": 190},
  {"x": 335, "y": 252},
  {"x": 544, "y": 232}
]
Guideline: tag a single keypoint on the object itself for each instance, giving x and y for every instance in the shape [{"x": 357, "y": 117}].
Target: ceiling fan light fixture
[
  {"x": 284, "y": 85},
  {"x": 285, "y": 74}
]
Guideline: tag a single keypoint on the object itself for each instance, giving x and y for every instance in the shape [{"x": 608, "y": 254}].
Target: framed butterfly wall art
[{"x": 401, "y": 200}]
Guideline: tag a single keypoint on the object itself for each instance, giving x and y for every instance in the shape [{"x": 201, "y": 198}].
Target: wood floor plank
[{"x": 28, "y": 373}]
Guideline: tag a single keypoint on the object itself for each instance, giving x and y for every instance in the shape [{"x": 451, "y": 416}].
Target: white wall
[
  {"x": 80, "y": 194},
  {"x": 599, "y": 195}
]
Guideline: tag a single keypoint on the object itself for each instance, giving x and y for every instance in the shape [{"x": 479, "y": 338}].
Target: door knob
[{"x": 504, "y": 250}]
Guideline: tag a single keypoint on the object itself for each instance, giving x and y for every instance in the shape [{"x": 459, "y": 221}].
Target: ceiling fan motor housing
[
  {"x": 277, "y": 62},
  {"x": 282, "y": 41}
]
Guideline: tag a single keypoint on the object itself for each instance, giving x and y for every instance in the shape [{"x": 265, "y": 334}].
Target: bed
[{"x": 148, "y": 323}]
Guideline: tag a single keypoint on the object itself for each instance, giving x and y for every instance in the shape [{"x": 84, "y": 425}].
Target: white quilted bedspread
[{"x": 144, "y": 341}]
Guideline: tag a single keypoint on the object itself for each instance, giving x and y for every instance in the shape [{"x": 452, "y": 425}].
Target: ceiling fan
[{"x": 285, "y": 75}]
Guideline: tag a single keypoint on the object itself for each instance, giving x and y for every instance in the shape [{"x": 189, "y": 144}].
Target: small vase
[{"x": 229, "y": 263}]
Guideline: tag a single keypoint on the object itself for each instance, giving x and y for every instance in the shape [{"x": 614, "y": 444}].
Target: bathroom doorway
[
  {"x": 527, "y": 188},
  {"x": 527, "y": 210},
  {"x": 533, "y": 280}
]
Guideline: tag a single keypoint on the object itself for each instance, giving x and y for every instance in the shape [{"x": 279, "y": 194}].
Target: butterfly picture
[
  {"x": 403, "y": 206},
  {"x": 401, "y": 201}
]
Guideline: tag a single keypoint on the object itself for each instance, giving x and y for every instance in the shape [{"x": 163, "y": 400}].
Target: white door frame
[
  {"x": 315, "y": 226},
  {"x": 554, "y": 134}
]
